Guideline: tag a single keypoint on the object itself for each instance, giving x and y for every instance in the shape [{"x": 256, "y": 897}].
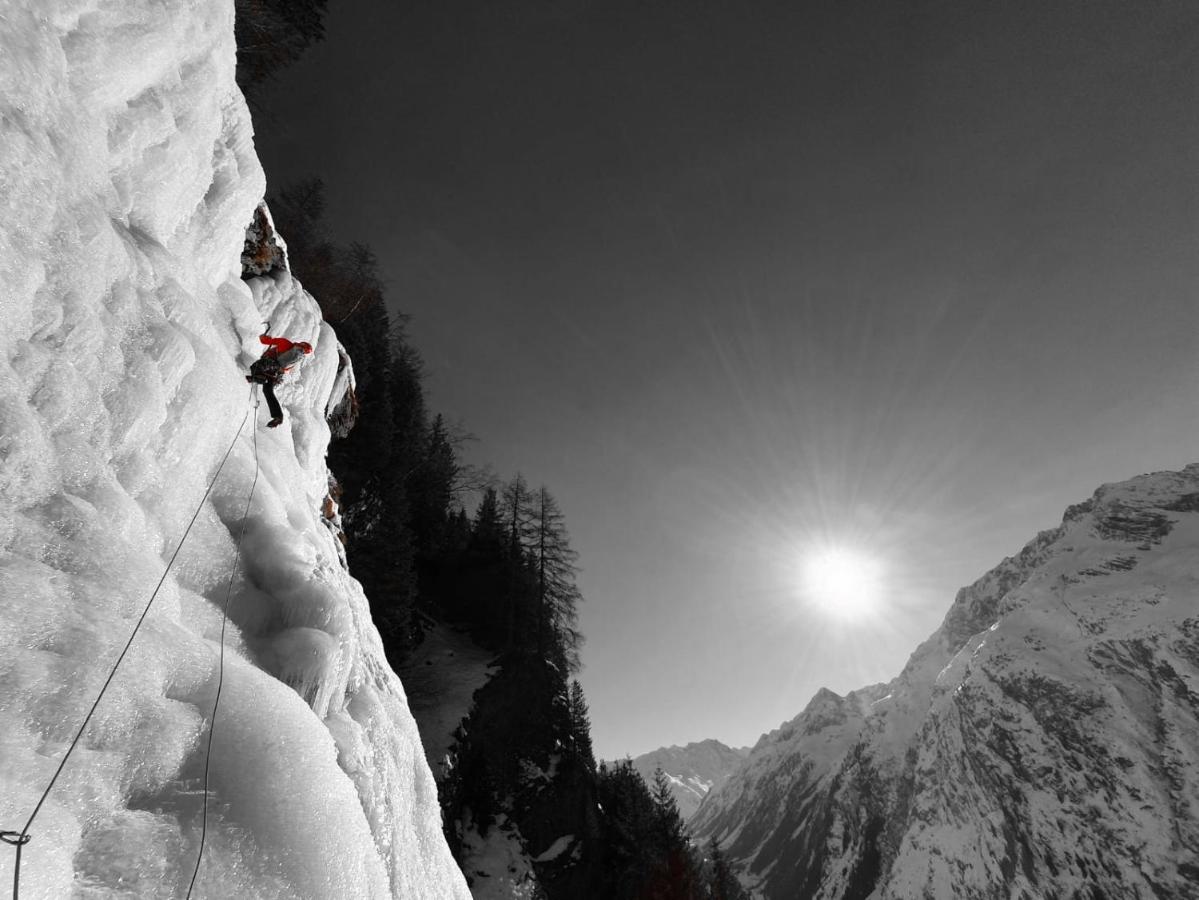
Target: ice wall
[{"x": 127, "y": 176}]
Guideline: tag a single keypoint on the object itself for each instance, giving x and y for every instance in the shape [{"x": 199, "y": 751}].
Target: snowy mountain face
[
  {"x": 693, "y": 770},
  {"x": 1043, "y": 743},
  {"x": 128, "y": 177}
]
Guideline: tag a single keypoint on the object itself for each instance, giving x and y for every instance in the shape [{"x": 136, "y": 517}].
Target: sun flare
[{"x": 842, "y": 583}]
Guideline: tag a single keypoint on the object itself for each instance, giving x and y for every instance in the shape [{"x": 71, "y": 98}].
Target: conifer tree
[
  {"x": 668, "y": 818},
  {"x": 516, "y": 511},
  {"x": 580, "y": 726},
  {"x": 272, "y": 34},
  {"x": 629, "y": 816},
  {"x": 557, "y": 594},
  {"x": 516, "y": 517},
  {"x": 458, "y": 532},
  {"x": 432, "y": 488},
  {"x": 675, "y": 877},
  {"x": 722, "y": 882},
  {"x": 487, "y": 531}
]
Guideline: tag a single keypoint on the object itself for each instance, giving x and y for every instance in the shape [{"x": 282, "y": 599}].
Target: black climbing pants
[{"x": 268, "y": 391}]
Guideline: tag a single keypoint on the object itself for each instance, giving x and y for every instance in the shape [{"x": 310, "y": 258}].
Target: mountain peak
[
  {"x": 1044, "y": 739},
  {"x": 693, "y": 770}
]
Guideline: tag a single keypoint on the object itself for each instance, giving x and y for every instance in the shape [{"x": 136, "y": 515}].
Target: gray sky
[{"x": 734, "y": 278}]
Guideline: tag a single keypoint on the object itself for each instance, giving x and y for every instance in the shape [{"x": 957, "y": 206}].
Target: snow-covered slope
[
  {"x": 441, "y": 677},
  {"x": 1044, "y": 742},
  {"x": 693, "y": 770},
  {"x": 127, "y": 178}
]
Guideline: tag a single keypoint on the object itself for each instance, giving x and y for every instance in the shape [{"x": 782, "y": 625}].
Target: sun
[{"x": 842, "y": 582}]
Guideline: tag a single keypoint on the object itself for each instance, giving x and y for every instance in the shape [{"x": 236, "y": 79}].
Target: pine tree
[
  {"x": 629, "y": 814},
  {"x": 432, "y": 489},
  {"x": 669, "y": 820},
  {"x": 580, "y": 726},
  {"x": 675, "y": 877},
  {"x": 722, "y": 882},
  {"x": 458, "y": 533},
  {"x": 487, "y": 532}
]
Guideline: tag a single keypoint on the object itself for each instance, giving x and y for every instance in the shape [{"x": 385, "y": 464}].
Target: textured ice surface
[{"x": 127, "y": 176}]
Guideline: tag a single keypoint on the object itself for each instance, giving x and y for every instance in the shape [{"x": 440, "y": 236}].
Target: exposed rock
[
  {"x": 264, "y": 251},
  {"x": 1044, "y": 742},
  {"x": 342, "y": 410}
]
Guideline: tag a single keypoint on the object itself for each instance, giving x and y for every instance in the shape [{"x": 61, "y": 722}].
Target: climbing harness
[
  {"x": 266, "y": 369},
  {"x": 20, "y": 838}
]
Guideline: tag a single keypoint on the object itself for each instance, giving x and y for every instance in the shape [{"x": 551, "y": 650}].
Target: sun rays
[{"x": 842, "y": 582}]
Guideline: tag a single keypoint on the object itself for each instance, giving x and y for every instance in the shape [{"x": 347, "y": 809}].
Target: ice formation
[{"x": 127, "y": 177}]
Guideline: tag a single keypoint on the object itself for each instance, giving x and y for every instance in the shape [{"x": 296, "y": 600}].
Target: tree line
[{"x": 505, "y": 571}]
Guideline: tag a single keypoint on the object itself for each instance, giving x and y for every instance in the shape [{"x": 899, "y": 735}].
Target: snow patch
[
  {"x": 496, "y": 863},
  {"x": 556, "y": 849},
  {"x": 441, "y": 677}
]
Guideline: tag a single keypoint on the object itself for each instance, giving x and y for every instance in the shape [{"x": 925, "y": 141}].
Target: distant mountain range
[
  {"x": 694, "y": 770},
  {"x": 1042, "y": 743}
]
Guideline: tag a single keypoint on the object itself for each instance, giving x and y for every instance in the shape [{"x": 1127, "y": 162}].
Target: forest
[{"x": 434, "y": 539}]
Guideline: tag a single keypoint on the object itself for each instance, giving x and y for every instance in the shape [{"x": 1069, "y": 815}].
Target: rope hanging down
[
  {"x": 22, "y": 837},
  {"x": 220, "y": 678}
]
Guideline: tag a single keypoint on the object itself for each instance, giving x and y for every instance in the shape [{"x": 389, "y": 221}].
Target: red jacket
[{"x": 287, "y": 352}]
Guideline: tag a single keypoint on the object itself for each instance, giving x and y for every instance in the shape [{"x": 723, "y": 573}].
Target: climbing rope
[
  {"x": 220, "y": 678},
  {"x": 20, "y": 838}
]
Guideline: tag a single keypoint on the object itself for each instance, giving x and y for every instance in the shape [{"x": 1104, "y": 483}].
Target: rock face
[
  {"x": 1043, "y": 742},
  {"x": 693, "y": 770}
]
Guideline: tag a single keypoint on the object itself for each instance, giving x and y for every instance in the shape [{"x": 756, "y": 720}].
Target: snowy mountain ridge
[
  {"x": 1043, "y": 742},
  {"x": 693, "y": 770},
  {"x": 128, "y": 177}
]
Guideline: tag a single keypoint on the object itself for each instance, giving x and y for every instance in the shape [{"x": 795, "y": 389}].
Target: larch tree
[
  {"x": 558, "y": 596},
  {"x": 517, "y": 516}
]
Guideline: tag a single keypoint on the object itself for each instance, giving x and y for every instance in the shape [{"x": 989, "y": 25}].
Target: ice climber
[{"x": 280, "y": 355}]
